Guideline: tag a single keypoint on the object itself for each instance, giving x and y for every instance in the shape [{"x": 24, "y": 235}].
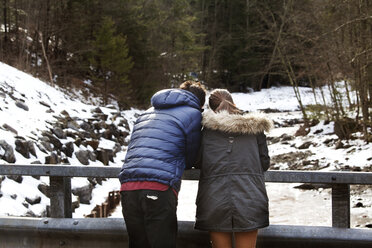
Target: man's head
[{"x": 196, "y": 88}]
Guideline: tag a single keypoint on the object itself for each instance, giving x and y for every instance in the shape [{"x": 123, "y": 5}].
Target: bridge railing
[{"x": 60, "y": 189}]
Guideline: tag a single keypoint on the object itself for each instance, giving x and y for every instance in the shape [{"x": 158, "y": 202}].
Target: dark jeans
[{"x": 150, "y": 217}]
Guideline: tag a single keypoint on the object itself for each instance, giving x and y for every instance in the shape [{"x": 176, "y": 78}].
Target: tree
[{"x": 109, "y": 58}]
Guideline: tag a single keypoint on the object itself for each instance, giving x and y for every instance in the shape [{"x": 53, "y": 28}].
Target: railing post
[
  {"x": 341, "y": 205},
  {"x": 60, "y": 197}
]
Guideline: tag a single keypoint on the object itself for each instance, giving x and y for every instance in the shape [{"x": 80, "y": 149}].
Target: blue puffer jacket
[{"x": 165, "y": 139}]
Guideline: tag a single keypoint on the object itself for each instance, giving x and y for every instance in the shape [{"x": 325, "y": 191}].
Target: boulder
[
  {"x": 57, "y": 131},
  {"x": 83, "y": 156},
  {"x": 22, "y": 147},
  {"x": 7, "y": 152},
  {"x": 9, "y": 128},
  {"x": 68, "y": 149},
  {"x": 22, "y": 105},
  {"x": 305, "y": 145},
  {"x": 52, "y": 159},
  {"x": 93, "y": 143},
  {"x": 33, "y": 200},
  {"x": 84, "y": 193},
  {"x": 103, "y": 156},
  {"x": 16, "y": 178},
  {"x": 73, "y": 125},
  {"x": 45, "y": 189}
]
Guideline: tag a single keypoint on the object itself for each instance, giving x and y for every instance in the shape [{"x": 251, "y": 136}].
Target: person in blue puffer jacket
[{"x": 165, "y": 141}]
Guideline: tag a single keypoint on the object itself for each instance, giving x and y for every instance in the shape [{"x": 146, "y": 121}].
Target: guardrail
[{"x": 60, "y": 188}]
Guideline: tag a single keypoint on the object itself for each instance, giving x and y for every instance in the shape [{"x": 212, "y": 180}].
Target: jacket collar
[{"x": 235, "y": 123}]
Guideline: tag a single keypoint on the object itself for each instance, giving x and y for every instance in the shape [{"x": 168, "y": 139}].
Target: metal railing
[{"x": 61, "y": 213}]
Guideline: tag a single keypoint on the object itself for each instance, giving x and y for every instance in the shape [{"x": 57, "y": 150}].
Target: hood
[
  {"x": 174, "y": 97},
  {"x": 235, "y": 123}
]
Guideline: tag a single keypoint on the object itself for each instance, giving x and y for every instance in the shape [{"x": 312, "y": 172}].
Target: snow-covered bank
[{"x": 43, "y": 105}]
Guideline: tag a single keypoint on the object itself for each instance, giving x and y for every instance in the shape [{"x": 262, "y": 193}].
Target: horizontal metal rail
[
  {"x": 111, "y": 232},
  {"x": 331, "y": 177},
  {"x": 60, "y": 191}
]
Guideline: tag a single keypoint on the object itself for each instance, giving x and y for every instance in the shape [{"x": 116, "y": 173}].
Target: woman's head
[{"x": 221, "y": 100}]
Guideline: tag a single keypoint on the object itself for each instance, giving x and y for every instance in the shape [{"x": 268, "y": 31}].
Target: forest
[{"x": 129, "y": 49}]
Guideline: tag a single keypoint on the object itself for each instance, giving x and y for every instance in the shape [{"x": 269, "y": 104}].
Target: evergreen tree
[{"x": 109, "y": 59}]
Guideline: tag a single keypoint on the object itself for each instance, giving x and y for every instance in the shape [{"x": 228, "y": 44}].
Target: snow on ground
[{"x": 287, "y": 204}]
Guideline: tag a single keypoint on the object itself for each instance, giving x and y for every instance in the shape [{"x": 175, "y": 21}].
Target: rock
[
  {"x": 52, "y": 139},
  {"x": 85, "y": 126},
  {"x": 328, "y": 141},
  {"x": 124, "y": 123},
  {"x": 93, "y": 143},
  {"x": 305, "y": 145},
  {"x": 107, "y": 134},
  {"x": 359, "y": 205},
  {"x": 45, "y": 146},
  {"x": 9, "y": 128},
  {"x": 16, "y": 178},
  {"x": 83, "y": 156},
  {"x": 65, "y": 113},
  {"x": 68, "y": 149},
  {"x": 312, "y": 186},
  {"x": 318, "y": 131},
  {"x": 52, "y": 159},
  {"x": 21, "y": 146},
  {"x": 302, "y": 131},
  {"x": 284, "y": 137},
  {"x": 96, "y": 110},
  {"x": 30, "y": 214},
  {"x": 339, "y": 145},
  {"x": 73, "y": 125},
  {"x": 101, "y": 116},
  {"x": 21, "y": 105},
  {"x": 44, "y": 104},
  {"x": 7, "y": 152},
  {"x": 78, "y": 142},
  {"x": 84, "y": 193},
  {"x": 45, "y": 189},
  {"x": 31, "y": 148},
  {"x": 34, "y": 200},
  {"x": 57, "y": 131},
  {"x": 102, "y": 155},
  {"x": 75, "y": 205}
]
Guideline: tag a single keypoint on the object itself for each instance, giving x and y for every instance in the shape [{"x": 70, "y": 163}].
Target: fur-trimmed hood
[{"x": 235, "y": 123}]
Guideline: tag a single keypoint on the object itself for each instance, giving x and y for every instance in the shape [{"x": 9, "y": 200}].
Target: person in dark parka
[
  {"x": 164, "y": 142},
  {"x": 234, "y": 155}
]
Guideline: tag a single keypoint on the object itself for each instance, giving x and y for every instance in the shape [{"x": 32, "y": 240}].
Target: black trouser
[{"x": 150, "y": 217}]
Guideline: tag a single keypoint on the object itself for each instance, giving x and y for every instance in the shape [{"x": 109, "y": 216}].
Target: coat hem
[{"x": 216, "y": 229}]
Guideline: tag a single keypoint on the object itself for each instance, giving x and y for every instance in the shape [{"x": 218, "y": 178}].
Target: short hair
[{"x": 196, "y": 88}]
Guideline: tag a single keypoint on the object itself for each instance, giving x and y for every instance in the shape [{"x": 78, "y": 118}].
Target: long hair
[{"x": 221, "y": 100}]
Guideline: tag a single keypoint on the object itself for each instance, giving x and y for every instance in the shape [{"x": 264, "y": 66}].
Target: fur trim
[{"x": 235, "y": 123}]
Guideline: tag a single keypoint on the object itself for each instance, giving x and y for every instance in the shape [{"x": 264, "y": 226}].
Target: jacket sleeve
[
  {"x": 263, "y": 151},
  {"x": 193, "y": 138}
]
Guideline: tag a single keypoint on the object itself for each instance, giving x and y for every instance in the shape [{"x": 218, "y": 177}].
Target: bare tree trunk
[
  {"x": 46, "y": 58},
  {"x": 289, "y": 70}
]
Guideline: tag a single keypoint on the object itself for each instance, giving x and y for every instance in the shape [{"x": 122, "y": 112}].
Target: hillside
[{"x": 44, "y": 124}]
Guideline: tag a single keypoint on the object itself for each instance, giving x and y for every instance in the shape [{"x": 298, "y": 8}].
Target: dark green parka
[{"x": 232, "y": 195}]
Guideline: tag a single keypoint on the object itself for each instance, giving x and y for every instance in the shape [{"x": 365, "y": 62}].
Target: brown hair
[
  {"x": 196, "y": 88},
  {"x": 221, "y": 99}
]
